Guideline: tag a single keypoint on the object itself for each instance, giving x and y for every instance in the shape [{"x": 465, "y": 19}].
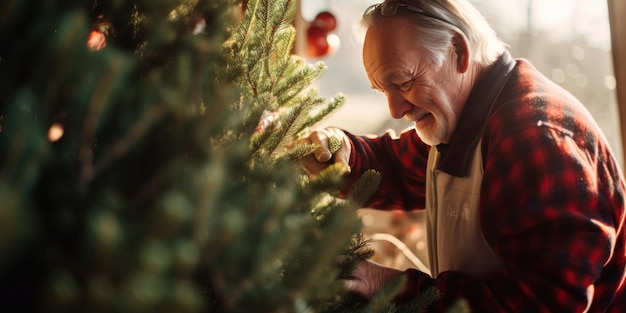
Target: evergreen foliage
[{"x": 162, "y": 195}]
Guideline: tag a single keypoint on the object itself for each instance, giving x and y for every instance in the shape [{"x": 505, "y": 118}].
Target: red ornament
[
  {"x": 317, "y": 42},
  {"x": 96, "y": 40},
  {"x": 326, "y": 21}
]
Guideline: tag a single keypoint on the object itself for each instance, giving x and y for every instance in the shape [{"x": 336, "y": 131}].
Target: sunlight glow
[{"x": 55, "y": 132}]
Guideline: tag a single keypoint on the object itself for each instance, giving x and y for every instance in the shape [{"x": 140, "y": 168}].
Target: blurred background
[{"x": 568, "y": 40}]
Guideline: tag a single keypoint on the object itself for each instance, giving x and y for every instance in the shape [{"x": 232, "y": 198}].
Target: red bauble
[
  {"x": 96, "y": 40},
  {"x": 326, "y": 21},
  {"x": 317, "y": 43}
]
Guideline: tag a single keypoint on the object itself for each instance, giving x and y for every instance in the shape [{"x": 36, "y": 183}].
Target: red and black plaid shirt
[{"x": 551, "y": 202}]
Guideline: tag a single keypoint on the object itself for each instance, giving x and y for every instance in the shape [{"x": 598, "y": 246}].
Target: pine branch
[
  {"x": 298, "y": 77},
  {"x": 364, "y": 188},
  {"x": 383, "y": 300},
  {"x": 423, "y": 302},
  {"x": 334, "y": 104}
]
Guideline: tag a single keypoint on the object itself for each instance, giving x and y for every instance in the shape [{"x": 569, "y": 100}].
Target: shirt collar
[{"x": 456, "y": 156}]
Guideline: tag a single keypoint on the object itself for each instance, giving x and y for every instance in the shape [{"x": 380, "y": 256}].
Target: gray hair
[{"x": 434, "y": 35}]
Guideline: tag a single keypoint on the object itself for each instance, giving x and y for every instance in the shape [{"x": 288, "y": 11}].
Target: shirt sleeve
[
  {"x": 401, "y": 161},
  {"x": 548, "y": 209}
]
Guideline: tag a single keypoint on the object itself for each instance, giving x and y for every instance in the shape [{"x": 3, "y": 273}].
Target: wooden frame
[{"x": 616, "y": 9}]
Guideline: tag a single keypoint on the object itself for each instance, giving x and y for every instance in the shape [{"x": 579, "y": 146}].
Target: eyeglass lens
[{"x": 388, "y": 8}]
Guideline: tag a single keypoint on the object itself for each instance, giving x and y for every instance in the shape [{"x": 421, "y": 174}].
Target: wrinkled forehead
[{"x": 390, "y": 37}]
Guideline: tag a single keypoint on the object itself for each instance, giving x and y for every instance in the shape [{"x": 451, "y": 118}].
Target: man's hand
[
  {"x": 368, "y": 278},
  {"x": 333, "y": 146}
]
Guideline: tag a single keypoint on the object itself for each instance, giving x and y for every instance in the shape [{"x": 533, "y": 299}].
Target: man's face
[{"x": 416, "y": 89}]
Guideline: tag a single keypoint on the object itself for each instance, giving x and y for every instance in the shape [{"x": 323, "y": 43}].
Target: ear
[{"x": 462, "y": 51}]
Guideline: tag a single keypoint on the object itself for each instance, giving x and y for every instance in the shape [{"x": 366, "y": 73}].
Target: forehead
[
  {"x": 390, "y": 42},
  {"x": 386, "y": 31}
]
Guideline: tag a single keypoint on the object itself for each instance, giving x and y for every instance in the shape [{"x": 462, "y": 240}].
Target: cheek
[
  {"x": 443, "y": 110},
  {"x": 452, "y": 118}
]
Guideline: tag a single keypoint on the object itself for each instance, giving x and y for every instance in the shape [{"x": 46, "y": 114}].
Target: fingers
[
  {"x": 369, "y": 278},
  {"x": 358, "y": 284},
  {"x": 311, "y": 165},
  {"x": 355, "y": 286},
  {"x": 343, "y": 154},
  {"x": 320, "y": 139},
  {"x": 327, "y": 141}
]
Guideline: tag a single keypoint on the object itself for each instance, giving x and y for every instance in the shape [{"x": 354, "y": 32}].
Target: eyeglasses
[{"x": 389, "y": 8}]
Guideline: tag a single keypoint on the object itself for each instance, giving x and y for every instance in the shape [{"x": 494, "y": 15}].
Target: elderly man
[{"x": 524, "y": 199}]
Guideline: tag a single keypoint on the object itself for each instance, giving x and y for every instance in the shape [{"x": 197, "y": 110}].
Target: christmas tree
[{"x": 147, "y": 163}]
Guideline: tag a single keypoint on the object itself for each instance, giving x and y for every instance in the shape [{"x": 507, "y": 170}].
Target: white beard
[{"x": 434, "y": 135}]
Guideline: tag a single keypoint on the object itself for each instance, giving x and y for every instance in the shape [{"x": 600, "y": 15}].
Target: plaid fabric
[{"x": 551, "y": 206}]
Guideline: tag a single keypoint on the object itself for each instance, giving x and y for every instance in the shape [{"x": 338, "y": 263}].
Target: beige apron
[{"x": 455, "y": 239}]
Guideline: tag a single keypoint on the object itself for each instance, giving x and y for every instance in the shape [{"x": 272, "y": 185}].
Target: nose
[{"x": 398, "y": 106}]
